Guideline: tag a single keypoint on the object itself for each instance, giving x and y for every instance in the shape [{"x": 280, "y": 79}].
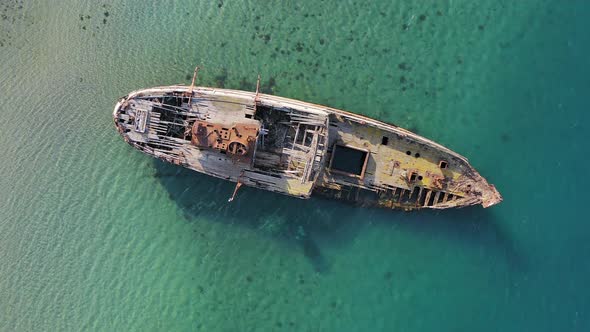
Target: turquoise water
[{"x": 97, "y": 236}]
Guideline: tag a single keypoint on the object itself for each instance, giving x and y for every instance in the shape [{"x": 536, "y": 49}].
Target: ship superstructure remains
[{"x": 297, "y": 148}]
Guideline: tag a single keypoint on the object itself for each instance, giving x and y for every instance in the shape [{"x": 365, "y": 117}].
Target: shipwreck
[{"x": 297, "y": 148}]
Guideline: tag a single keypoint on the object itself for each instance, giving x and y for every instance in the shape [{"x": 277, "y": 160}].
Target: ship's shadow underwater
[{"x": 311, "y": 224}]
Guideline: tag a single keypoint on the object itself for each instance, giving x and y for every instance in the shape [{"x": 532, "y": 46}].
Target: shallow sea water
[{"x": 97, "y": 236}]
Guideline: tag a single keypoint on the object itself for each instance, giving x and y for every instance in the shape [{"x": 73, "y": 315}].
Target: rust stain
[{"x": 239, "y": 140}]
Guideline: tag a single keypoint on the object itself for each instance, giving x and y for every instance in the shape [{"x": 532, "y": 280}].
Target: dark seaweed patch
[
  {"x": 266, "y": 38},
  {"x": 404, "y": 66},
  {"x": 299, "y": 47}
]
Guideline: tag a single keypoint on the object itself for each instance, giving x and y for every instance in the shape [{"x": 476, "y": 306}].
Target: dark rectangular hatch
[{"x": 348, "y": 160}]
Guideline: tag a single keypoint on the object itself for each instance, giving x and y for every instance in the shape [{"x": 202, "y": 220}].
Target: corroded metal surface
[
  {"x": 238, "y": 141},
  {"x": 297, "y": 148}
]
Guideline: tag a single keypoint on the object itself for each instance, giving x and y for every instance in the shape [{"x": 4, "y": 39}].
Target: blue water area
[{"x": 97, "y": 236}]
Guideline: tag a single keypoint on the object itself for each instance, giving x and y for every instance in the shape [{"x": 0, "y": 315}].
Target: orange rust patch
[{"x": 237, "y": 141}]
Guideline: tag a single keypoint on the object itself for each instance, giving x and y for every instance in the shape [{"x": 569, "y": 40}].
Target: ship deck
[{"x": 296, "y": 148}]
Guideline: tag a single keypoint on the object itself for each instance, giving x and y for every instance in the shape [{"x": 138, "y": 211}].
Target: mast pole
[
  {"x": 193, "y": 85},
  {"x": 257, "y": 92}
]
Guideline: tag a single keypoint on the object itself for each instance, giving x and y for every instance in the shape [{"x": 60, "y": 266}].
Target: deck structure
[{"x": 297, "y": 148}]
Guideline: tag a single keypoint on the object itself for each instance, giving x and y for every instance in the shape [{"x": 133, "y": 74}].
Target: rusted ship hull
[{"x": 297, "y": 148}]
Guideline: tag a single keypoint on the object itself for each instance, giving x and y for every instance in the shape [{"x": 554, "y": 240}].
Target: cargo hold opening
[{"x": 349, "y": 161}]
